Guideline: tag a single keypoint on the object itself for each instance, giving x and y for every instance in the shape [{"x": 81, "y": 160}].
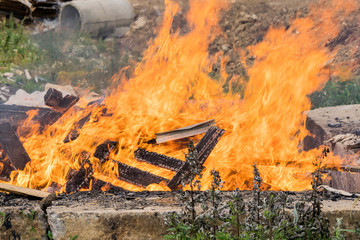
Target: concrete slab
[{"x": 135, "y": 216}]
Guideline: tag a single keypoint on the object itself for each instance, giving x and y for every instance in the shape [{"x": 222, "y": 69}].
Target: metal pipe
[{"x": 96, "y": 16}]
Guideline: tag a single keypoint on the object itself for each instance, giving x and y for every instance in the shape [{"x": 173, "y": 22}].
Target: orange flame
[{"x": 171, "y": 88}]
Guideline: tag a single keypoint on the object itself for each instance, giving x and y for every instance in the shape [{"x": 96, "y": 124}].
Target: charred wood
[
  {"x": 99, "y": 185},
  {"x": 15, "y": 114},
  {"x": 137, "y": 176},
  {"x": 65, "y": 104},
  {"x": 74, "y": 132},
  {"x": 103, "y": 151},
  {"x": 204, "y": 148},
  {"x": 79, "y": 179},
  {"x": 6, "y": 167},
  {"x": 53, "y": 98},
  {"x": 12, "y": 146},
  {"x": 158, "y": 160}
]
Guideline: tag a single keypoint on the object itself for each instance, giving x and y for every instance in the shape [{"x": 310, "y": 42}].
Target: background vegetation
[
  {"x": 264, "y": 215},
  {"x": 79, "y": 60}
]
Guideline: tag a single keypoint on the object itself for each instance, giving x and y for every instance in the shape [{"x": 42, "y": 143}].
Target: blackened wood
[
  {"x": 345, "y": 181},
  {"x": 53, "y": 98},
  {"x": 184, "y": 132},
  {"x": 137, "y": 176},
  {"x": 80, "y": 178},
  {"x": 204, "y": 148},
  {"x": 103, "y": 151},
  {"x": 68, "y": 101},
  {"x": 12, "y": 146},
  {"x": 6, "y": 168},
  {"x": 158, "y": 159},
  {"x": 16, "y": 114},
  {"x": 208, "y": 143},
  {"x": 74, "y": 132},
  {"x": 51, "y": 117},
  {"x": 99, "y": 185}
]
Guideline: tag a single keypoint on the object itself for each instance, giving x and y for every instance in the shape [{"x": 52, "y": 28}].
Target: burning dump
[{"x": 114, "y": 142}]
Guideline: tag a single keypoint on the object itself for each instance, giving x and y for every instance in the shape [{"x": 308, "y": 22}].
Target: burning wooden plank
[
  {"x": 74, "y": 132},
  {"x": 204, "y": 148},
  {"x": 6, "y": 167},
  {"x": 15, "y": 114},
  {"x": 160, "y": 160},
  {"x": 184, "y": 132},
  {"x": 13, "y": 147},
  {"x": 98, "y": 185},
  {"x": 23, "y": 191},
  {"x": 137, "y": 176},
  {"x": 53, "y": 98},
  {"x": 60, "y": 107},
  {"x": 79, "y": 179},
  {"x": 103, "y": 151}
]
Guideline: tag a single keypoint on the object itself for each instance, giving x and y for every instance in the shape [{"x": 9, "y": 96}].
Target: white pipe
[{"x": 96, "y": 16}]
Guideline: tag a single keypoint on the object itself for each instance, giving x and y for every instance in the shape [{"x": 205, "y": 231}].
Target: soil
[{"x": 244, "y": 24}]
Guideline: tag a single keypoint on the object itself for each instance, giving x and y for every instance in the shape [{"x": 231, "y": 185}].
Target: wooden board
[
  {"x": 184, "y": 132},
  {"x": 137, "y": 176},
  {"x": 23, "y": 191},
  {"x": 157, "y": 159},
  {"x": 12, "y": 146}
]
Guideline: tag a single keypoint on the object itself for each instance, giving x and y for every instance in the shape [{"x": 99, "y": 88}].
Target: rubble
[{"x": 341, "y": 139}]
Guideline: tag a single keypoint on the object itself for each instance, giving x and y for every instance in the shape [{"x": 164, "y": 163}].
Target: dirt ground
[{"x": 245, "y": 23}]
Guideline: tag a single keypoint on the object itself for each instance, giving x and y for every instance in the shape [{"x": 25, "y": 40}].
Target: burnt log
[
  {"x": 53, "y": 98},
  {"x": 6, "y": 167},
  {"x": 79, "y": 179},
  {"x": 99, "y": 185},
  {"x": 74, "y": 132},
  {"x": 204, "y": 148},
  {"x": 137, "y": 176},
  {"x": 64, "y": 105},
  {"x": 103, "y": 151},
  {"x": 12, "y": 146},
  {"x": 157, "y": 159}
]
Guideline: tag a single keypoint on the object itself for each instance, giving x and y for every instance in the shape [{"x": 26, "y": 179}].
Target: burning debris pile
[
  {"x": 110, "y": 143},
  {"x": 15, "y": 157}
]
